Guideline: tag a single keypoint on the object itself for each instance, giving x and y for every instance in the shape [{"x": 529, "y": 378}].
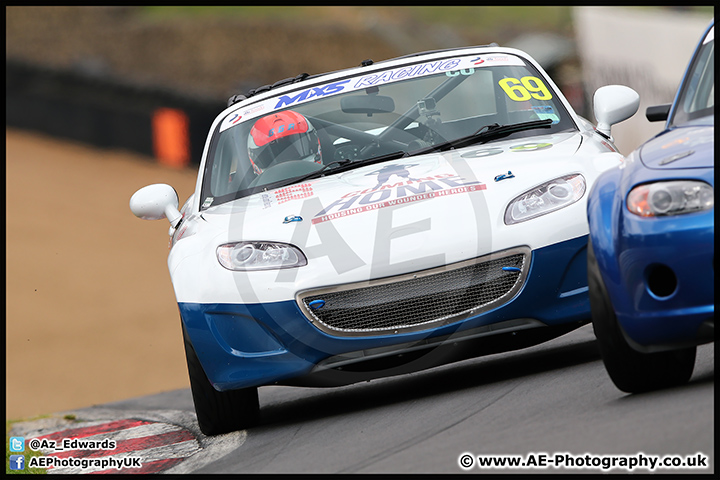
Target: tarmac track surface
[{"x": 551, "y": 399}]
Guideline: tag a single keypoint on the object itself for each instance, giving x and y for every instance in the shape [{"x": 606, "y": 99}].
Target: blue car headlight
[
  {"x": 670, "y": 198},
  {"x": 546, "y": 198},
  {"x": 249, "y": 256}
]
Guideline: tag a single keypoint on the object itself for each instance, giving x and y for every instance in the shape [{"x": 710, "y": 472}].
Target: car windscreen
[
  {"x": 396, "y": 110},
  {"x": 697, "y": 94}
]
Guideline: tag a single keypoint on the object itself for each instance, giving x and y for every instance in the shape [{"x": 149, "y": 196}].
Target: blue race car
[{"x": 651, "y": 262}]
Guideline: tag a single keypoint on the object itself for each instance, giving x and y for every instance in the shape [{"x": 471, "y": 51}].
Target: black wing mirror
[{"x": 658, "y": 113}]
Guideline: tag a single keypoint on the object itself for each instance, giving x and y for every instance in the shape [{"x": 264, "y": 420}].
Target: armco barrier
[{"x": 108, "y": 112}]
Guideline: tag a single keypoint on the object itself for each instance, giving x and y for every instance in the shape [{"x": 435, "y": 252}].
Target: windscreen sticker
[
  {"x": 462, "y": 64},
  {"x": 255, "y": 109},
  {"x": 530, "y": 147},
  {"x": 495, "y": 59},
  {"x": 464, "y": 71},
  {"x": 309, "y": 94},
  {"x": 406, "y": 72},
  {"x": 525, "y": 88},
  {"x": 546, "y": 111}
]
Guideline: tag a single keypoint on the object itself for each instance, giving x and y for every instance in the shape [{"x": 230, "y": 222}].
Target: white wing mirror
[
  {"x": 612, "y": 104},
  {"x": 155, "y": 202}
]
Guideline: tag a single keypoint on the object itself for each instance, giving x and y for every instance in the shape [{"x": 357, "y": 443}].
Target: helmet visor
[
  {"x": 282, "y": 137},
  {"x": 303, "y": 146}
]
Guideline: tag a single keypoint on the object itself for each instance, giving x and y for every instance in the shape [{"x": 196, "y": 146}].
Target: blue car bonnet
[{"x": 679, "y": 148}]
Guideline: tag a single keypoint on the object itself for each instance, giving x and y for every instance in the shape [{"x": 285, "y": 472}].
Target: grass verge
[{"x": 27, "y": 453}]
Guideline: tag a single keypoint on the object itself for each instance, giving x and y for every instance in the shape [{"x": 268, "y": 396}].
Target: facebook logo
[
  {"x": 17, "y": 444},
  {"x": 17, "y": 462}
]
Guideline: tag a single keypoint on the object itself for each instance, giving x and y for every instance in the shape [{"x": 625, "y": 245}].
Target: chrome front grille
[{"x": 420, "y": 300}]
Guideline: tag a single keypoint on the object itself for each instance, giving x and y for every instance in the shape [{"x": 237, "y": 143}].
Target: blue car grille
[{"x": 420, "y": 300}]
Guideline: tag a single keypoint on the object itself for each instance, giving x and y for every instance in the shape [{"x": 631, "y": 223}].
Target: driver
[{"x": 281, "y": 137}]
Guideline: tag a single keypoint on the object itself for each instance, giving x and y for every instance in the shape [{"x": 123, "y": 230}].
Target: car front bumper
[
  {"x": 246, "y": 345},
  {"x": 665, "y": 296}
]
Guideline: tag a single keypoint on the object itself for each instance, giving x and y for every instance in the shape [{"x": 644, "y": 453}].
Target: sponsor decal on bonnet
[{"x": 386, "y": 194}]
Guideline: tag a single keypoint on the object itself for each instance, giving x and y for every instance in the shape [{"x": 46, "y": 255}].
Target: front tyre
[
  {"x": 219, "y": 412},
  {"x": 631, "y": 371}
]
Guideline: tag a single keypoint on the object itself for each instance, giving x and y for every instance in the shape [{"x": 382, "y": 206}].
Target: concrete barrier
[{"x": 645, "y": 50}]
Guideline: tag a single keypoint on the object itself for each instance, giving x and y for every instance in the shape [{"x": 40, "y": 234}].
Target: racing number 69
[{"x": 525, "y": 88}]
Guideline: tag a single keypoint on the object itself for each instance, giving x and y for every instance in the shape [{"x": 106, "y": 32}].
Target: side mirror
[
  {"x": 155, "y": 202},
  {"x": 612, "y": 104},
  {"x": 658, "y": 113}
]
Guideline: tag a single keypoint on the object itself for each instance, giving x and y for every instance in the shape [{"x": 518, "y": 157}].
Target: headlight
[
  {"x": 670, "y": 198},
  {"x": 248, "y": 256},
  {"x": 546, "y": 198}
]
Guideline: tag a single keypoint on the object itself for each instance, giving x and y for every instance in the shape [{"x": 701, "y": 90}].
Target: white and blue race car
[{"x": 380, "y": 220}]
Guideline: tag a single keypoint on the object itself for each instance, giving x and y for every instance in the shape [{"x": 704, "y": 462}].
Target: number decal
[
  {"x": 464, "y": 71},
  {"x": 535, "y": 85},
  {"x": 515, "y": 92},
  {"x": 525, "y": 89}
]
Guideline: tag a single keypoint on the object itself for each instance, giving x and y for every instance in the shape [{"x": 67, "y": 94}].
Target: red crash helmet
[{"x": 282, "y": 137}]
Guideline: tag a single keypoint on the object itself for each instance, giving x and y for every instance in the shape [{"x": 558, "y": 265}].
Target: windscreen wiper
[
  {"x": 347, "y": 164},
  {"x": 484, "y": 134},
  {"x": 321, "y": 170}
]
